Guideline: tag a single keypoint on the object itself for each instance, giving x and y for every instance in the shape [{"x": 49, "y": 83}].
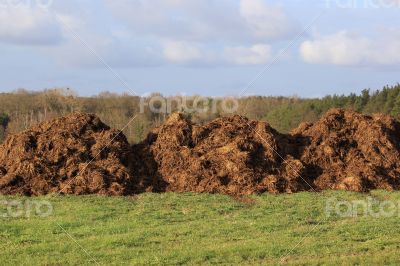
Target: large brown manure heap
[
  {"x": 78, "y": 154},
  {"x": 228, "y": 155},
  {"x": 351, "y": 151}
]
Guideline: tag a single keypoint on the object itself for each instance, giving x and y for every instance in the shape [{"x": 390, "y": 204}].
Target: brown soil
[
  {"x": 234, "y": 155},
  {"x": 54, "y": 157}
]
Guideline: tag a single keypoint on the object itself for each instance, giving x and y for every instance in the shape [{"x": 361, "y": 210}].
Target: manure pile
[
  {"x": 233, "y": 155},
  {"x": 350, "y": 151},
  {"x": 66, "y": 155},
  {"x": 228, "y": 155}
]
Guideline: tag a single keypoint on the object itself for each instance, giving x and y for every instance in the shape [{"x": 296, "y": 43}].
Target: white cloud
[
  {"x": 266, "y": 21},
  {"x": 196, "y": 54},
  {"x": 351, "y": 49},
  {"x": 254, "y": 55},
  {"x": 181, "y": 52},
  {"x": 29, "y": 26}
]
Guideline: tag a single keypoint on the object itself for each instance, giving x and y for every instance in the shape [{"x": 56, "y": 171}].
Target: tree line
[{"x": 135, "y": 115}]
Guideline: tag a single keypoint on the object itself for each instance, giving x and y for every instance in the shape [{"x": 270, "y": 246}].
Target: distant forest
[{"x": 21, "y": 109}]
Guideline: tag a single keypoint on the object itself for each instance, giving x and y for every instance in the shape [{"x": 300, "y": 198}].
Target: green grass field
[{"x": 170, "y": 229}]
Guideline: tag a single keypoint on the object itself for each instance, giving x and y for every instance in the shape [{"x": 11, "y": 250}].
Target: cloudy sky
[{"x": 210, "y": 47}]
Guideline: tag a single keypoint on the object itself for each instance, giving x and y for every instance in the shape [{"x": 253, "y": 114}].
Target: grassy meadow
[{"x": 192, "y": 229}]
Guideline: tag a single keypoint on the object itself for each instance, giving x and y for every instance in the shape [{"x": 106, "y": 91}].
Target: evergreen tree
[
  {"x": 396, "y": 107},
  {"x": 4, "y": 120}
]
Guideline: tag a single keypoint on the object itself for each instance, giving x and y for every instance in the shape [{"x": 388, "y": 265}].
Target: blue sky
[{"x": 206, "y": 47}]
